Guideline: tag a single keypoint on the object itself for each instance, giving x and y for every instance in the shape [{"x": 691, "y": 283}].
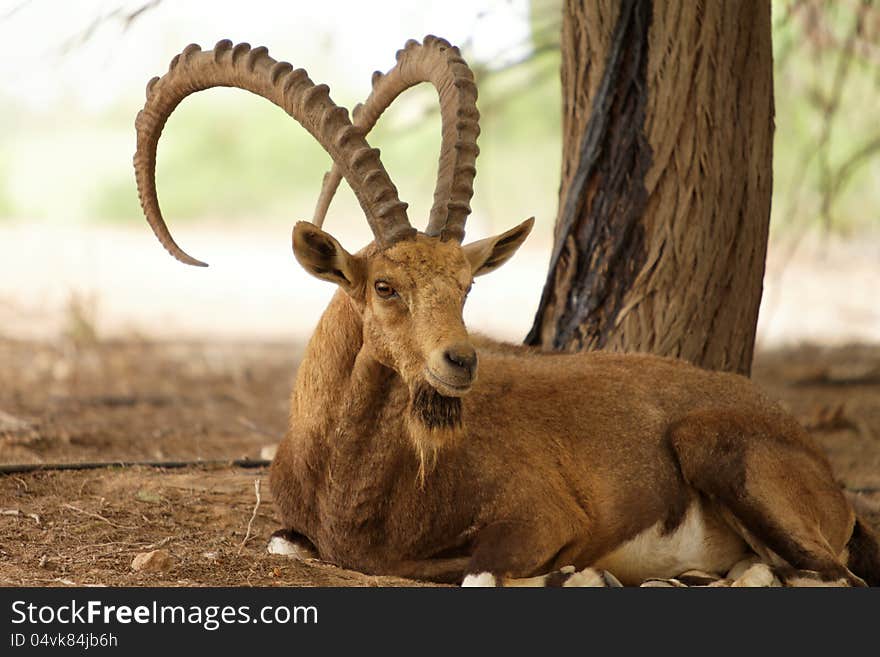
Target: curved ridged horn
[
  {"x": 437, "y": 62},
  {"x": 310, "y": 104}
]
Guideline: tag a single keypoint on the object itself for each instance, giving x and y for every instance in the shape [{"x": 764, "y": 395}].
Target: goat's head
[
  {"x": 409, "y": 286},
  {"x": 411, "y": 295}
]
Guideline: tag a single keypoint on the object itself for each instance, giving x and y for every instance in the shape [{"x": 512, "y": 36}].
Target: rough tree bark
[{"x": 666, "y": 180}]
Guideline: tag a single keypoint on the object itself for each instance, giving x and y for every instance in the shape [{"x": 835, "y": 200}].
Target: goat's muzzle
[{"x": 452, "y": 369}]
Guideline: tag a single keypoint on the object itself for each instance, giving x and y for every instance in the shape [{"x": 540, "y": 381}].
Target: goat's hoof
[
  {"x": 757, "y": 576},
  {"x": 480, "y": 580},
  {"x": 286, "y": 544},
  {"x": 740, "y": 567},
  {"x": 590, "y": 577}
]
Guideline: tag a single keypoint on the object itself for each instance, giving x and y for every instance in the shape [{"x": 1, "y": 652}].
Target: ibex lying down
[{"x": 401, "y": 460}]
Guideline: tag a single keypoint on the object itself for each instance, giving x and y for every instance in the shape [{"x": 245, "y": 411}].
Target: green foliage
[
  {"x": 7, "y": 207},
  {"x": 226, "y": 154},
  {"x": 827, "y": 146},
  {"x": 520, "y": 159},
  {"x": 235, "y": 156}
]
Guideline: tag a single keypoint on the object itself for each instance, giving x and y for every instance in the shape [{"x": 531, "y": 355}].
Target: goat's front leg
[
  {"x": 506, "y": 552},
  {"x": 288, "y": 543}
]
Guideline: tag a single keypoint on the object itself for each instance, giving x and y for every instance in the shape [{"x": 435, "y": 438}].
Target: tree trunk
[{"x": 664, "y": 206}]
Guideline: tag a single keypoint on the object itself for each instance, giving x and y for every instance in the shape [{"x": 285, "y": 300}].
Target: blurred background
[
  {"x": 112, "y": 351},
  {"x": 234, "y": 172}
]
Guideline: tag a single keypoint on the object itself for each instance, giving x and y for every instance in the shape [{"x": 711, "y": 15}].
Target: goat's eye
[{"x": 384, "y": 290}]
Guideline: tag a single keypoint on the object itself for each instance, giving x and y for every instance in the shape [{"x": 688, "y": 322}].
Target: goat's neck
[
  {"x": 347, "y": 405},
  {"x": 339, "y": 385}
]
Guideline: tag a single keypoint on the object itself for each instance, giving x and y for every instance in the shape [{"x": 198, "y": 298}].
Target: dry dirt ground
[{"x": 138, "y": 400}]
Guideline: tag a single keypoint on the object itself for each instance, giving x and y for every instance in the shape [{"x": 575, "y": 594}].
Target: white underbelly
[{"x": 701, "y": 542}]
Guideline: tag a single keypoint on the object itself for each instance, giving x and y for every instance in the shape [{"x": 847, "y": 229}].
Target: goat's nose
[{"x": 463, "y": 357}]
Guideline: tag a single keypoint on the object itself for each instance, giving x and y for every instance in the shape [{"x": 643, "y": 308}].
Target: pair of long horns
[{"x": 241, "y": 66}]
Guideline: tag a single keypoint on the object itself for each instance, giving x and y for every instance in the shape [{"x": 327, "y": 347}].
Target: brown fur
[{"x": 542, "y": 460}]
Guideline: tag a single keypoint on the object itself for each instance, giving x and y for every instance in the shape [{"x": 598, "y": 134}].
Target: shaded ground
[
  {"x": 142, "y": 400},
  {"x": 134, "y": 400},
  {"x": 88, "y": 526}
]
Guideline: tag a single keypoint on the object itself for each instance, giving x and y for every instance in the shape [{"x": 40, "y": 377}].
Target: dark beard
[{"x": 433, "y": 410}]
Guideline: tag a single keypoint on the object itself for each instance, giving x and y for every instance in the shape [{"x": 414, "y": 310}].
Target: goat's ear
[
  {"x": 489, "y": 254},
  {"x": 323, "y": 257}
]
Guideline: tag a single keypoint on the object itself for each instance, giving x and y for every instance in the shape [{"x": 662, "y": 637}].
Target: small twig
[
  {"x": 98, "y": 516},
  {"x": 122, "y": 545},
  {"x": 247, "y": 534},
  {"x": 851, "y": 164},
  {"x": 69, "y": 582},
  {"x": 118, "y": 14},
  {"x": 155, "y": 546},
  {"x": 15, "y": 9},
  {"x": 18, "y": 512}
]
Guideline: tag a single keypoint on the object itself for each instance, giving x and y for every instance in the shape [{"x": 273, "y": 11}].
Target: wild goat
[{"x": 400, "y": 459}]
